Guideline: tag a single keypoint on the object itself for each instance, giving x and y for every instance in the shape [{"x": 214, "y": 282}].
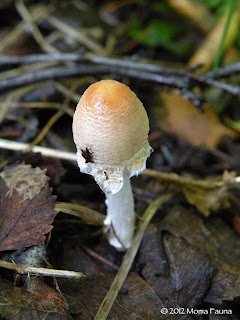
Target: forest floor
[{"x": 181, "y": 58}]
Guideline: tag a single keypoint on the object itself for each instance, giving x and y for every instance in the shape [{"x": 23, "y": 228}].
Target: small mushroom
[{"x": 110, "y": 130}]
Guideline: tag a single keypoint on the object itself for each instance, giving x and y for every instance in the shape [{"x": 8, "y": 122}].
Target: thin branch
[
  {"x": 23, "y": 269},
  {"x": 225, "y": 72},
  {"x": 235, "y": 90},
  {"x": 129, "y": 257},
  {"x": 53, "y": 119},
  {"x": 30, "y": 23},
  {"x": 40, "y": 105},
  {"x": 180, "y": 80},
  {"x": 176, "y": 179},
  {"x": 123, "y": 63},
  {"x": 77, "y": 57},
  {"x": 45, "y": 57},
  {"x": 67, "y": 72},
  {"x": 38, "y": 13},
  {"x": 10, "y": 73},
  {"x": 14, "y": 94},
  {"x": 76, "y": 34},
  {"x": 100, "y": 258},
  {"x": 47, "y": 152},
  {"x": 86, "y": 214}
]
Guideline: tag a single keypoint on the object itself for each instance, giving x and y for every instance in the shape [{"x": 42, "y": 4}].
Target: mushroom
[{"x": 110, "y": 130}]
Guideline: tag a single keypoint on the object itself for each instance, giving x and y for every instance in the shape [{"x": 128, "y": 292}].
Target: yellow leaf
[{"x": 181, "y": 118}]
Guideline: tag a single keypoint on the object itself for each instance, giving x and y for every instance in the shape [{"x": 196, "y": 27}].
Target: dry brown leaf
[
  {"x": 136, "y": 300},
  {"x": 215, "y": 239},
  {"x": 209, "y": 194},
  {"x": 188, "y": 273},
  {"x": 181, "y": 118},
  {"x": 225, "y": 284},
  {"x": 26, "y": 208},
  {"x": 54, "y": 168},
  {"x": 236, "y": 223},
  {"x": 18, "y": 303},
  {"x": 210, "y": 199}
]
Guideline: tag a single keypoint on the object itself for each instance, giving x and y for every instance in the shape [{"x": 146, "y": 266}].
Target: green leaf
[
  {"x": 160, "y": 33},
  {"x": 219, "y": 6}
]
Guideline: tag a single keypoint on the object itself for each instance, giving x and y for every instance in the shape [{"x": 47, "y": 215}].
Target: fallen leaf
[
  {"x": 19, "y": 303},
  {"x": 26, "y": 209},
  {"x": 223, "y": 317},
  {"x": 210, "y": 199},
  {"x": 209, "y": 194},
  {"x": 185, "y": 281},
  {"x": 236, "y": 223},
  {"x": 217, "y": 241},
  {"x": 54, "y": 168},
  {"x": 144, "y": 297},
  {"x": 181, "y": 118},
  {"x": 225, "y": 285},
  {"x": 136, "y": 300},
  {"x": 138, "y": 297}
]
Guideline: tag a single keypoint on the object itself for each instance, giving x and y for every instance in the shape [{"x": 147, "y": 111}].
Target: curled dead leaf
[{"x": 209, "y": 194}]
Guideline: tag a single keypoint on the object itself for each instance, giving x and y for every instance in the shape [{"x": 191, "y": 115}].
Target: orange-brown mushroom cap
[{"x": 110, "y": 130}]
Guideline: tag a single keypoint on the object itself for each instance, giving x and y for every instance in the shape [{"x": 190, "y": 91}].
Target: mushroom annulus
[{"x": 110, "y": 130}]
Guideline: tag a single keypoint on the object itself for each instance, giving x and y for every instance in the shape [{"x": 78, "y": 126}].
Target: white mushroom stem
[{"x": 120, "y": 220}]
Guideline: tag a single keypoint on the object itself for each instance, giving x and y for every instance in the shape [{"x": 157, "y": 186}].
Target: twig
[
  {"x": 14, "y": 94},
  {"x": 40, "y": 105},
  {"x": 23, "y": 269},
  {"x": 34, "y": 58},
  {"x": 110, "y": 297},
  {"x": 65, "y": 91},
  {"x": 53, "y": 119},
  {"x": 100, "y": 258},
  {"x": 226, "y": 71},
  {"x": 112, "y": 65},
  {"x": 10, "y": 73},
  {"x": 77, "y": 57},
  {"x": 86, "y": 41},
  {"x": 29, "y": 21},
  {"x": 87, "y": 215},
  {"x": 38, "y": 13},
  {"x": 123, "y": 63},
  {"x": 45, "y": 129},
  {"x": 66, "y": 72},
  {"x": 178, "y": 78},
  {"x": 48, "y": 152},
  {"x": 188, "y": 182},
  {"x": 235, "y": 90}
]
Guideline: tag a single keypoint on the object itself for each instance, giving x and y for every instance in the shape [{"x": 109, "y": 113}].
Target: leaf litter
[
  {"x": 27, "y": 207},
  {"x": 188, "y": 259}
]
